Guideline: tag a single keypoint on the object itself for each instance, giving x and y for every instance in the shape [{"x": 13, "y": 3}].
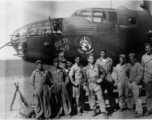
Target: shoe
[
  {"x": 68, "y": 116},
  {"x": 79, "y": 113},
  {"x": 130, "y": 109},
  {"x": 84, "y": 111},
  {"x": 121, "y": 109},
  {"x": 94, "y": 113},
  {"x": 105, "y": 116},
  {"x": 147, "y": 113},
  {"x": 138, "y": 115},
  {"x": 114, "y": 110},
  {"x": 58, "y": 116}
]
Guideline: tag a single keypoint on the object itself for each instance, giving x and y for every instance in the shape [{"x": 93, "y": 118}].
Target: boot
[
  {"x": 68, "y": 116},
  {"x": 147, "y": 113},
  {"x": 105, "y": 115},
  {"x": 139, "y": 115},
  {"x": 93, "y": 113}
]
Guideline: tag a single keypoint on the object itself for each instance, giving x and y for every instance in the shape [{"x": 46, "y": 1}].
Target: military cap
[
  {"x": 38, "y": 61},
  {"x": 61, "y": 54},
  {"x": 147, "y": 44},
  {"x": 91, "y": 54},
  {"x": 55, "y": 60},
  {"x": 64, "y": 60},
  {"x": 132, "y": 55},
  {"x": 103, "y": 50},
  {"x": 122, "y": 56}
]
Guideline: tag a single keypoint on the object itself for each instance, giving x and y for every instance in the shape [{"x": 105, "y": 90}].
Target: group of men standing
[{"x": 64, "y": 86}]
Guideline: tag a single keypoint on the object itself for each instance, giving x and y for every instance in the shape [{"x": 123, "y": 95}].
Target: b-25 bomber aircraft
[{"x": 87, "y": 30}]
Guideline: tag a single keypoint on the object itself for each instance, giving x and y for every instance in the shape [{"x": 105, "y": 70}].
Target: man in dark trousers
[
  {"x": 107, "y": 84},
  {"x": 59, "y": 81}
]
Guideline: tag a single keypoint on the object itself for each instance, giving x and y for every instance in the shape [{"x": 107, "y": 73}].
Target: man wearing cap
[
  {"x": 95, "y": 74},
  {"x": 146, "y": 62},
  {"x": 41, "y": 82},
  {"x": 59, "y": 80},
  {"x": 77, "y": 79},
  {"x": 121, "y": 81},
  {"x": 106, "y": 63},
  {"x": 61, "y": 56},
  {"x": 135, "y": 76}
]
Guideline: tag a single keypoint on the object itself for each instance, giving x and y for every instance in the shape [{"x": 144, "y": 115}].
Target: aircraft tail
[{"x": 147, "y": 5}]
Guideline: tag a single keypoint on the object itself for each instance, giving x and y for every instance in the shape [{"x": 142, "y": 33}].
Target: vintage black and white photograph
[{"x": 76, "y": 59}]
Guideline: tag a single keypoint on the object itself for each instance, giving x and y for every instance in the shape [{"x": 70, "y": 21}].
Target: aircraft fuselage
[{"x": 87, "y": 30}]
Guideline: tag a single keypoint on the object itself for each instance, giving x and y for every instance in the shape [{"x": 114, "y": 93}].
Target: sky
[{"x": 15, "y": 14}]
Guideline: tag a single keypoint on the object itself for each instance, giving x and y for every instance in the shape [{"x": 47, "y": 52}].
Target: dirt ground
[{"x": 7, "y": 87}]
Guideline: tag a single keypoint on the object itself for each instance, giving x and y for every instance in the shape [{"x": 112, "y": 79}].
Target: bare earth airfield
[{"x": 21, "y": 72}]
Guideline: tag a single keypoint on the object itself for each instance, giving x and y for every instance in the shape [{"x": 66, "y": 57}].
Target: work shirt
[
  {"x": 107, "y": 66},
  {"x": 94, "y": 73},
  {"x": 39, "y": 78},
  {"x": 121, "y": 72},
  {"x": 76, "y": 72},
  {"x": 57, "y": 75},
  {"x": 136, "y": 73},
  {"x": 146, "y": 62}
]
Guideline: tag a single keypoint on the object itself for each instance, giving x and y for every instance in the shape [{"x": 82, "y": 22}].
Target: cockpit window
[
  {"x": 85, "y": 14},
  {"x": 99, "y": 16},
  {"x": 112, "y": 17}
]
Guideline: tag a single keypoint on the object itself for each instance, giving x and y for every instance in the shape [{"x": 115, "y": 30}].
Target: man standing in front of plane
[
  {"x": 59, "y": 81},
  {"x": 77, "y": 79},
  {"x": 95, "y": 74},
  {"x": 41, "y": 82},
  {"x": 121, "y": 81},
  {"x": 135, "y": 76},
  {"x": 106, "y": 63},
  {"x": 147, "y": 64}
]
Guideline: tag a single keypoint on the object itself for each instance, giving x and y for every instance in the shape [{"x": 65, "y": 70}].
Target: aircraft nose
[{"x": 19, "y": 43}]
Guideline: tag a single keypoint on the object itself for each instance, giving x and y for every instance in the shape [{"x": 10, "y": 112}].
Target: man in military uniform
[
  {"x": 59, "y": 81},
  {"x": 61, "y": 56},
  {"x": 68, "y": 84},
  {"x": 107, "y": 84},
  {"x": 77, "y": 79},
  {"x": 41, "y": 82},
  {"x": 135, "y": 76},
  {"x": 121, "y": 81},
  {"x": 95, "y": 74},
  {"x": 146, "y": 62}
]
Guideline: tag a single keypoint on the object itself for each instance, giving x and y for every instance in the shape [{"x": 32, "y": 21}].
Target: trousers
[
  {"x": 79, "y": 95},
  {"x": 148, "y": 89},
  {"x": 124, "y": 94},
  {"x": 138, "y": 103},
  {"x": 95, "y": 89}
]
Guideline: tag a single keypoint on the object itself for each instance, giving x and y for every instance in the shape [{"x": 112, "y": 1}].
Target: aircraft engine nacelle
[
  {"x": 132, "y": 21},
  {"x": 149, "y": 33}
]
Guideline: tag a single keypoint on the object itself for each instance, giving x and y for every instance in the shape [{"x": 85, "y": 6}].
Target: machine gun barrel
[{"x": 5, "y": 45}]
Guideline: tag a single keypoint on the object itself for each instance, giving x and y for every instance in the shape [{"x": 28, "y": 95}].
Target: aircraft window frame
[
  {"x": 47, "y": 23},
  {"x": 99, "y": 21},
  {"x": 87, "y": 17},
  {"x": 117, "y": 21},
  {"x": 40, "y": 24}
]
